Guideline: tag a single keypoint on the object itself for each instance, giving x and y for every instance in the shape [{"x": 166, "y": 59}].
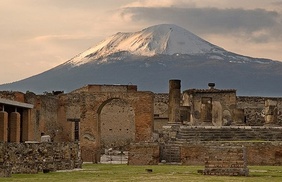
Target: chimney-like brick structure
[{"x": 174, "y": 101}]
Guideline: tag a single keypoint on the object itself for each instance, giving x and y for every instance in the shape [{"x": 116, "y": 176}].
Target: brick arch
[
  {"x": 116, "y": 123},
  {"x": 91, "y": 107},
  {"x": 107, "y": 101}
]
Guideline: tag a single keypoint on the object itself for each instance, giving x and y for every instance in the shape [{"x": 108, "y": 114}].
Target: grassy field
[{"x": 160, "y": 173}]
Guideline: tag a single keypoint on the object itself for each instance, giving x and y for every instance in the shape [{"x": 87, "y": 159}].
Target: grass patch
[{"x": 160, "y": 173}]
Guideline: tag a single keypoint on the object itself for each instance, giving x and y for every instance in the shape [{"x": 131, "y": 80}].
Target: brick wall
[
  {"x": 257, "y": 153},
  {"x": 144, "y": 154},
  {"x": 226, "y": 161}
]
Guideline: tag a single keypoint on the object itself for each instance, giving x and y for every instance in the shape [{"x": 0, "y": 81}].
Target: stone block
[{"x": 270, "y": 102}]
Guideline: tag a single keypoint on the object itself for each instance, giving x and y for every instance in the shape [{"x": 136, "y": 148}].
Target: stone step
[{"x": 226, "y": 171}]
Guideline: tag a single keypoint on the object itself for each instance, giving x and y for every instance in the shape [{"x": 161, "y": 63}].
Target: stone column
[
  {"x": 3, "y": 126},
  {"x": 174, "y": 101},
  {"x": 15, "y": 127}
]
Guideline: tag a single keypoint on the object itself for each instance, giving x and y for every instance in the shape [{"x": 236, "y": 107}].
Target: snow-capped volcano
[
  {"x": 152, "y": 56},
  {"x": 165, "y": 39}
]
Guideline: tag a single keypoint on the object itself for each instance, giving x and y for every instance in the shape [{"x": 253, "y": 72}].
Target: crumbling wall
[
  {"x": 144, "y": 154},
  {"x": 35, "y": 157},
  {"x": 44, "y": 115},
  {"x": 10, "y": 95},
  {"x": 160, "y": 111},
  {"x": 211, "y": 107},
  {"x": 261, "y": 111}
]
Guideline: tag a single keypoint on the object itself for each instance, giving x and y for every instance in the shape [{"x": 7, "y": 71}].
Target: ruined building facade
[
  {"x": 100, "y": 117},
  {"x": 96, "y": 116}
]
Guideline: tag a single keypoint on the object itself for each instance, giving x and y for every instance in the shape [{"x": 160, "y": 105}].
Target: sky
[{"x": 37, "y": 35}]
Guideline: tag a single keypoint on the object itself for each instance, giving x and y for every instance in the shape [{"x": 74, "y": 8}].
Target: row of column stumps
[{"x": 11, "y": 122}]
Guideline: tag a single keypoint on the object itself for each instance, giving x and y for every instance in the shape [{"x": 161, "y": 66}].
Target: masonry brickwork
[
  {"x": 113, "y": 116},
  {"x": 99, "y": 116},
  {"x": 35, "y": 157},
  {"x": 226, "y": 161},
  {"x": 145, "y": 153}
]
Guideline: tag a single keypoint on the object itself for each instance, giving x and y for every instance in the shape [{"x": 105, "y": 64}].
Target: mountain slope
[
  {"x": 149, "y": 58},
  {"x": 159, "y": 39}
]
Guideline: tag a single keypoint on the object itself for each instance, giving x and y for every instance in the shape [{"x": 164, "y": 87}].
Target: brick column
[
  {"x": 3, "y": 126},
  {"x": 27, "y": 126},
  {"x": 174, "y": 101},
  {"x": 15, "y": 127}
]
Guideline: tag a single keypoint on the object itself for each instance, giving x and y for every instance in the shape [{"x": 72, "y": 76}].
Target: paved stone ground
[{"x": 115, "y": 157}]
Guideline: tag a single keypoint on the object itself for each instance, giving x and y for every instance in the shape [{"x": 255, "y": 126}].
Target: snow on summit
[{"x": 159, "y": 39}]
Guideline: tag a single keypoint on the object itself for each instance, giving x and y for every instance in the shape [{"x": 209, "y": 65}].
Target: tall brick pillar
[
  {"x": 174, "y": 101},
  {"x": 27, "y": 126},
  {"x": 3, "y": 126},
  {"x": 15, "y": 127}
]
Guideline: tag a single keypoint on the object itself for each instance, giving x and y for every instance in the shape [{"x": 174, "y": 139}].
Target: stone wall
[
  {"x": 99, "y": 116},
  {"x": 226, "y": 161},
  {"x": 258, "y": 110},
  {"x": 106, "y": 119},
  {"x": 257, "y": 153},
  {"x": 160, "y": 111},
  {"x": 43, "y": 117},
  {"x": 15, "y": 96},
  {"x": 144, "y": 154},
  {"x": 211, "y": 107},
  {"x": 195, "y": 153},
  {"x": 35, "y": 157}
]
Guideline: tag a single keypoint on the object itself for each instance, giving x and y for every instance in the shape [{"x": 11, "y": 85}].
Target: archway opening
[{"x": 117, "y": 130}]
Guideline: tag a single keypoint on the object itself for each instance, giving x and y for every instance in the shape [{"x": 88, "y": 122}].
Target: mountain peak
[{"x": 166, "y": 39}]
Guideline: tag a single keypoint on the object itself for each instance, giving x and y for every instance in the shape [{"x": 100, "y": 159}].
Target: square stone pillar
[
  {"x": 3, "y": 126},
  {"x": 15, "y": 127}
]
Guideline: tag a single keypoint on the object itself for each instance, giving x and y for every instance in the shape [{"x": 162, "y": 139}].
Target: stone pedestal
[{"x": 226, "y": 161}]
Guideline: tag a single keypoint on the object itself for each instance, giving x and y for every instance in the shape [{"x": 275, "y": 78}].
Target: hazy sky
[{"x": 36, "y": 35}]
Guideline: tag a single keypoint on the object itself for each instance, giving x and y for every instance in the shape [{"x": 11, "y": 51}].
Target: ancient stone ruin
[{"x": 175, "y": 127}]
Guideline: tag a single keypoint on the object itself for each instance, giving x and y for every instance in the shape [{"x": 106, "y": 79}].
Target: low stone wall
[
  {"x": 36, "y": 157},
  {"x": 226, "y": 161},
  {"x": 257, "y": 153},
  {"x": 144, "y": 154},
  {"x": 195, "y": 153}
]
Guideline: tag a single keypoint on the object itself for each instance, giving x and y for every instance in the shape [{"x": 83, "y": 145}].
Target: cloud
[
  {"x": 256, "y": 24},
  {"x": 159, "y": 3}
]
